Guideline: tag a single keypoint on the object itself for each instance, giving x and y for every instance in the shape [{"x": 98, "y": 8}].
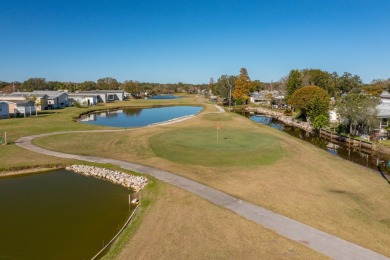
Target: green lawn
[{"x": 212, "y": 147}]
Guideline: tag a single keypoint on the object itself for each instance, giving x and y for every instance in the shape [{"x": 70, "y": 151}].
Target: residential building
[
  {"x": 83, "y": 99},
  {"x": 39, "y": 99},
  {"x": 263, "y": 97},
  {"x": 55, "y": 99},
  {"x": 21, "y": 107},
  {"x": 4, "y": 110},
  {"x": 106, "y": 95},
  {"x": 384, "y": 110}
]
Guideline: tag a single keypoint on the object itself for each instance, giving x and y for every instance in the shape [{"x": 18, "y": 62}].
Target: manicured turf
[
  {"x": 213, "y": 147},
  {"x": 217, "y": 117}
]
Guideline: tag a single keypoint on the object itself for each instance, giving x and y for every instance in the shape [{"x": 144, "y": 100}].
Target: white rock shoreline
[
  {"x": 136, "y": 183},
  {"x": 288, "y": 120}
]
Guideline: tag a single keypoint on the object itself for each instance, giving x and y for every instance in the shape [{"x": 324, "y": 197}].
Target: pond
[
  {"x": 59, "y": 215},
  {"x": 368, "y": 158},
  {"x": 138, "y": 117},
  {"x": 163, "y": 97}
]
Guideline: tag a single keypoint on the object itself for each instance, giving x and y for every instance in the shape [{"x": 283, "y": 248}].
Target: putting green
[{"x": 202, "y": 146}]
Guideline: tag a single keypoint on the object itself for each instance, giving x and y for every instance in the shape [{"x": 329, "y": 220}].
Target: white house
[
  {"x": 384, "y": 110},
  {"x": 106, "y": 95},
  {"x": 260, "y": 98},
  {"x": 40, "y": 99},
  {"x": 21, "y": 107},
  {"x": 83, "y": 99},
  {"x": 55, "y": 99},
  {"x": 4, "y": 110}
]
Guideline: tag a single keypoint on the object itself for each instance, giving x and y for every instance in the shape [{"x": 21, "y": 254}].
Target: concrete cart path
[
  {"x": 220, "y": 109},
  {"x": 313, "y": 238}
]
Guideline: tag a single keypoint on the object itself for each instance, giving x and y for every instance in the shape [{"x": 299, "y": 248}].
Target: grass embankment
[{"x": 293, "y": 178}]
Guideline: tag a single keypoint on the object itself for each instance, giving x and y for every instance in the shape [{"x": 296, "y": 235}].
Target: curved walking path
[
  {"x": 220, "y": 109},
  {"x": 313, "y": 238}
]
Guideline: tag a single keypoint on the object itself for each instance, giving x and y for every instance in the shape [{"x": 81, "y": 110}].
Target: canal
[{"x": 365, "y": 157}]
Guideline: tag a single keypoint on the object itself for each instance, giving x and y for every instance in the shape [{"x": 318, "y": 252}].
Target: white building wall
[{"x": 4, "y": 110}]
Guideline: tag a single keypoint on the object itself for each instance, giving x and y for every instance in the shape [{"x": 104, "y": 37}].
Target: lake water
[
  {"x": 163, "y": 97},
  {"x": 138, "y": 117},
  {"x": 59, "y": 215}
]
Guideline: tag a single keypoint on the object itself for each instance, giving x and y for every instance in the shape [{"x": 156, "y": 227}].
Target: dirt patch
[{"x": 25, "y": 171}]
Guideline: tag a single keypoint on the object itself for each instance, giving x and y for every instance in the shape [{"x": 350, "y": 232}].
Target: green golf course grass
[{"x": 216, "y": 147}]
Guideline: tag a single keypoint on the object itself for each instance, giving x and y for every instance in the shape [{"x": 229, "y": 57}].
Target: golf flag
[{"x": 218, "y": 127}]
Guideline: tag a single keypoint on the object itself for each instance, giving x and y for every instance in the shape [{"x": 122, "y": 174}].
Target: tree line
[
  {"x": 108, "y": 83},
  {"x": 313, "y": 92}
]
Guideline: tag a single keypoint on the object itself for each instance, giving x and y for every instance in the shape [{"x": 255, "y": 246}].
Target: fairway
[{"x": 216, "y": 147}]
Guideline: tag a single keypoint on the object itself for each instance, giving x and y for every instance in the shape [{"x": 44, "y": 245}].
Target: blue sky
[{"x": 191, "y": 41}]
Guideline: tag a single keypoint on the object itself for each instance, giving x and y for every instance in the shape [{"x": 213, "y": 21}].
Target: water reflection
[
  {"x": 163, "y": 97},
  {"x": 137, "y": 117},
  {"x": 132, "y": 112}
]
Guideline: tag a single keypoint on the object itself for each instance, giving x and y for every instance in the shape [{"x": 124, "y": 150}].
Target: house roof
[
  {"x": 103, "y": 91},
  {"x": 23, "y": 94},
  {"x": 50, "y": 94},
  {"x": 49, "y": 91},
  {"x": 21, "y": 102},
  {"x": 82, "y": 95}
]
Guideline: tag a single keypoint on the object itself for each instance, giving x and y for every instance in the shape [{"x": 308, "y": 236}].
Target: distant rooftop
[
  {"x": 101, "y": 91},
  {"x": 23, "y": 94},
  {"x": 20, "y": 102}
]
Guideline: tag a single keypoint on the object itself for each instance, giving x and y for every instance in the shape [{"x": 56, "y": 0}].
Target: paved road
[{"x": 320, "y": 241}]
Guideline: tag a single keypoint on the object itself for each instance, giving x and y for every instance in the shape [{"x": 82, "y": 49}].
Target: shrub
[
  {"x": 76, "y": 104},
  {"x": 320, "y": 121},
  {"x": 239, "y": 101},
  {"x": 288, "y": 112}
]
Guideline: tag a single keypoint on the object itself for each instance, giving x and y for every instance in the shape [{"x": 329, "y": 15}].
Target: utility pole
[
  {"x": 230, "y": 92},
  {"x": 230, "y": 96}
]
